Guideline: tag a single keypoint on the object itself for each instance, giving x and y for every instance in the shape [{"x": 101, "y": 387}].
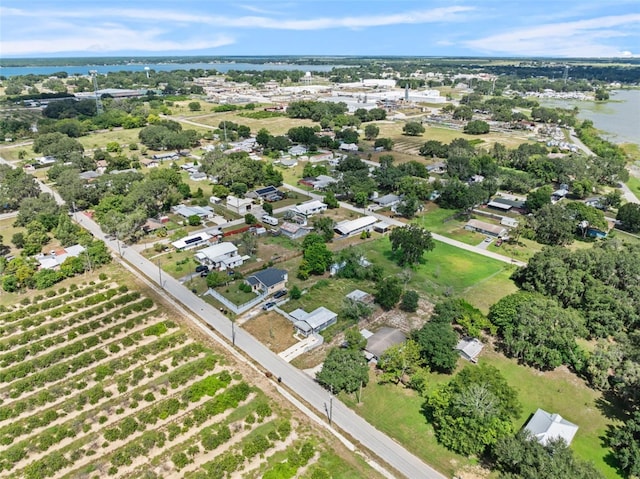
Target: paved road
[
  {"x": 305, "y": 387},
  {"x": 437, "y": 237}
]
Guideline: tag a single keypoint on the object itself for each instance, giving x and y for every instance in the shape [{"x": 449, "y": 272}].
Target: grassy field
[
  {"x": 276, "y": 126},
  {"x": 396, "y": 411},
  {"x": 561, "y": 392},
  {"x": 634, "y": 185},
  {"x": 446, "y": 135}
]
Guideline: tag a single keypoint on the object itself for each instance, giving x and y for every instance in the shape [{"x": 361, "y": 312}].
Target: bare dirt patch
[{"x": 272, "y": 330}]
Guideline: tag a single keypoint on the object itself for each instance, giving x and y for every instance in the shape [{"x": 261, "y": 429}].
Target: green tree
[
  {"x": 66, "y": 232},
  {"x": 216, "y": 278},
  {"x": 371, "y": 132},
  {"x": 473, "y": 411},
  {"x": 195, "y": 106},
  {"x": 386, "y": 143},
  {"x": 476, "y": 127},
  {"x": 354, "y": 340},
  {"x": 323, "y": 225},
  {"x": 343, "y": 370},
  {"x": 295, "y": 292},
  {"x": 554, "y": 225},
  {"x": 410, "y": 301},
  {"x": 194, "y": 220},
  {"x": 388, "y": 292},
  {"x": 268, "y": 208},
  {"x": 538, "y": 198},
  {"x": 410, "y": 243},
  {"x": 400, "y": 360},
  {"x": 330, "y": 200},
  {"x": 536, "y": 330},
  {"x": 522, "y": 456},
  {"x": 250, "y": 219},
  {"x": 354, "y": 311},
  {"x": 629, "y": 217},
  {"x": 413, "y": 128},
  {"x": 316, "y": 258},
  {"x": 15, "y": 185},
  {"x": 625, "y": 442},
  {"x": 249, "y": 243},
  {"x": 436, "y": 340},
  {"x": 463, "y": 112}
]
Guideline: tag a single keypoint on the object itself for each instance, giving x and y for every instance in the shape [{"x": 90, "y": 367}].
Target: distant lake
[
  {"x": 618, "y": 119},
  {"x": 166, "y": 67}
]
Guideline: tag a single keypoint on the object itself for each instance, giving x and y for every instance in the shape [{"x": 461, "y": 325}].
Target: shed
[
  {"x": 545, "y": 427},
  {"x": 382, "y": 340},
  {"x": 191, "y": 241},
  {"x": 469, "y": 349}
]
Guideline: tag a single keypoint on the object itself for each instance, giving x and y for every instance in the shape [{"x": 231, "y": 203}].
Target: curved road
[{"x": 305, "y": 387}]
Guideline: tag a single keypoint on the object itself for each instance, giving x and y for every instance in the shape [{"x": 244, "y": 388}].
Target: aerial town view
[{"x": 320, "y": 239}]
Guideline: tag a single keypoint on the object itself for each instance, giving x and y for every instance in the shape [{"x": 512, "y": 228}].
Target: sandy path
[
  {"x": 91, "y": 382},
  {"x": 167, "y": 469},
  {"x": 5, "y": 390},
  {"x": 96, "y": 438},
  {"x": 257, "y": 460},
  {"x": 117, "y": 398}
]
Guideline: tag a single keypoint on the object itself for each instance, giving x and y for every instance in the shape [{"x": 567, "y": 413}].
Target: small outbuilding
[
  {"x": 545, "y": 427},
  {"x": 470, "y": 349}
]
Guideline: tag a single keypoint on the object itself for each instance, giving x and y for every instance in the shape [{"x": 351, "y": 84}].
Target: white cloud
[
  {"x": 582, "y": 38},
  {"x": 111, "y": 38},
  {"x": 255, "y": 21}
]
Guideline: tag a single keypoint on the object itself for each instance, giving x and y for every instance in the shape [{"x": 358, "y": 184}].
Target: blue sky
[{"x": 552, "y": 28}]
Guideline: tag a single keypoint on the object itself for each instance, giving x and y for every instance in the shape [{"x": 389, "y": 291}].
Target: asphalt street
[{"x": 385, "y": 448}]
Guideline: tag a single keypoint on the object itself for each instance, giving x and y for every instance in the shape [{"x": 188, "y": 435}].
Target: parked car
[
  {"x": 269, "y": 305},
  {"x": 204, "y": 274},
  {"x": 280, "y": 294},
  {"x": 202, "y": 268}
]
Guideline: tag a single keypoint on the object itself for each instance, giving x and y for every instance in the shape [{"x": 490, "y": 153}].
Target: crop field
[{"x": 99, "y": 380}]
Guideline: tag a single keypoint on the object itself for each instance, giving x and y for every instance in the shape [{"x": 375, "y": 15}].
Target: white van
[{"x": 270, "y": 220}]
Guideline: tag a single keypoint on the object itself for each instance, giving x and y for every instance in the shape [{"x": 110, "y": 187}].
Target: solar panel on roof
[{"x": 192, "y": 240}]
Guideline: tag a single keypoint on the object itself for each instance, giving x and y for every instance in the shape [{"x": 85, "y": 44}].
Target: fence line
[{"x": 237, "y": 309}]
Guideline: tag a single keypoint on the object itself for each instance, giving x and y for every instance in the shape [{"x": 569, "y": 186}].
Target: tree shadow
[{"x": 611, "y": 406}]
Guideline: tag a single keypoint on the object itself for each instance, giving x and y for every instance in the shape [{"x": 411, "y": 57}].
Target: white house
[
  {"x": 294, "y": 230},
  {"x": 221, "y": 256},
  {"x": 313, "y": 322},
  {"x": 348, "y": 147},
  {"x": 191, "y": 241},
  {"x": 57, "y": 257},
  {"x": 353, "y": 227},
  {"x": 545, "y": 427},
  {"x": 469, "y": 349},
  {"x": 204, "y": 212},
  {"x": 238, "y": 205},
  {"x": 309, "y": 208}
]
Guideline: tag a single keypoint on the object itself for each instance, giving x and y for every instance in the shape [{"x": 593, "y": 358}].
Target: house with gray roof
[
  {"x": 314, "y": 322},
  {"x": 469, "y": 349},
  {"x": 382, "y": 340},
  {"x": 268, "y": 280},
  {"x": 545, "y": 427}
]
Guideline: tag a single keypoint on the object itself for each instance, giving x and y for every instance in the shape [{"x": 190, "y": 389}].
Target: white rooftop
[{"x": 545, "y": 427}]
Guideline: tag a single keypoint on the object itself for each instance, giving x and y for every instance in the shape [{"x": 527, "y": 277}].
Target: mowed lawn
[
  {"x": 564, "y": 393},
  {"x": 397, "y": 412},
  {"x": 447, "y": 270}
]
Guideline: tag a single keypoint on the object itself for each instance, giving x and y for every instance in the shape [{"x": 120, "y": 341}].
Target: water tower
[{"x": 146, "y": 69}]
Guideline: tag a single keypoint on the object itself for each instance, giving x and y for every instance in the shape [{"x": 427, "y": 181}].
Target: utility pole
[
  {"x": 160, "y": 274},
  {"x": 233, "y": 333}
]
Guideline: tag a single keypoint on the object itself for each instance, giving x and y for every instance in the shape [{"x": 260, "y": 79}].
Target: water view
[
  {"x": 618, "y": 119},
  {"x": 221, "y": 67}
]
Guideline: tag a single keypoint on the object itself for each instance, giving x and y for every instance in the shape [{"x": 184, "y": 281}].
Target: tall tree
[
  {"x": 344, "y": 370},
  {"x": 410, "y": 243},
  {"x": 474, "y": 410}
]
